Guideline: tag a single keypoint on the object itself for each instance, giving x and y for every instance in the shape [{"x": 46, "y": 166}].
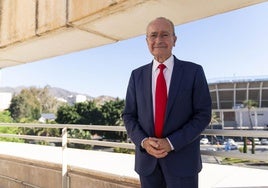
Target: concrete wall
[
  {"x": 89, "y": 178},
  {"x": 23, "y": 173},
  {"x": 18, "y": 172}
]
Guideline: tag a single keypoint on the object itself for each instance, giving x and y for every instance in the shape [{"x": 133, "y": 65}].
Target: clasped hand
[{"x": 157, "y": 147}]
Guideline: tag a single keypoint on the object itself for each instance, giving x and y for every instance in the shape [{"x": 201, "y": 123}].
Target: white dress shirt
[{"x": 169, "y": 63}]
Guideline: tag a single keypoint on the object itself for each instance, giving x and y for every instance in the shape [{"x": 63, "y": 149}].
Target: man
[{"x": 168, "y": 156}]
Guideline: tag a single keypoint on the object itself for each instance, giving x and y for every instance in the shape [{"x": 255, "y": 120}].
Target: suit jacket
[{"x": 187, "y": 115}]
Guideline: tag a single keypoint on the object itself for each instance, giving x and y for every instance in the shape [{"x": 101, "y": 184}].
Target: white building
[
  {"x": 80, "y": 98},
  {"x": 5, "y": 100},
  {"x": 229, "y": 97}
]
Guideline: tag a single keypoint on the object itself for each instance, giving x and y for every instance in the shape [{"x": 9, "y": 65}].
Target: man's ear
[{"x": 175, "y": 39}]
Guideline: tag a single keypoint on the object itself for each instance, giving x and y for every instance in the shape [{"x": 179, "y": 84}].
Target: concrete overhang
[{"x": 35, "y": 30}]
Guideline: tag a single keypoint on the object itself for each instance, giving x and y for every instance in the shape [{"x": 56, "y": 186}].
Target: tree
[
  {"x": 86, "y": 113},
  {"x": 25, "y": 105},
  {"x": 112, "y": 111},
  {"x": 78, "y": 133},
  {"x": 31, "y": 102},
  {"x": 5, "y": 117},
  {"x": 214, "y": 120},
  {"x": 89, "y": 113},
  {"x": 81, "y": 113},
  {"x": 67, "y": 114},
  {"x": 48, "y": 103},
  {"x": 249, "y": 104}
]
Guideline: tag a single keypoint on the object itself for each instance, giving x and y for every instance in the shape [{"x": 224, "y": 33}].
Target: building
[
  {"x": 231, "y": 93},
  {"x": 47, "y": 117},
  {"x": 80, "y": 98},
  {"x": 5, "y": 100},
  {"x": 229, "y": 97}
]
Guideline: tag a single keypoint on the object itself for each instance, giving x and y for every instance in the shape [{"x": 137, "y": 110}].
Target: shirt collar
[{"x": 169, "y": 63}]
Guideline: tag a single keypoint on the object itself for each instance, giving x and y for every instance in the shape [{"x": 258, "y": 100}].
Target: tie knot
[{"x": 161, "y": 66}]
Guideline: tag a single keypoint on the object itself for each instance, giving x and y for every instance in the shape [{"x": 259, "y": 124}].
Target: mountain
[{"x": 61, "y": 94}]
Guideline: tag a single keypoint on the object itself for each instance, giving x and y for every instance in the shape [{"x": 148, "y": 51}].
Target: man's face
[{"x": 160, "y": 39}]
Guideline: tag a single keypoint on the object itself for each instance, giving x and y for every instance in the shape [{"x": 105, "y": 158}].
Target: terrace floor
[{"x": 212, "y": 175}]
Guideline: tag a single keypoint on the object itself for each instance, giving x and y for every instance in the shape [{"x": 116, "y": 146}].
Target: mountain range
[{"x": 59, "y": 93}]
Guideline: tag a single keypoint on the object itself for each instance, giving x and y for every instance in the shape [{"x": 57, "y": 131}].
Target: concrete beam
[{"x": 32, "y": 30}]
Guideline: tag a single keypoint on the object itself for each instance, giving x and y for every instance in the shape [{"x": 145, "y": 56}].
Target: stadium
[{"x": 230, "y": 97}]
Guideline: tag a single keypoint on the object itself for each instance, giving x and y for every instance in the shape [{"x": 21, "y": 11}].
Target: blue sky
[{"x": 233, "y": 44}]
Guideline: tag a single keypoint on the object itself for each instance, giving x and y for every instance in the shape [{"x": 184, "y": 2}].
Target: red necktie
[{"x": 160, "y": 101}]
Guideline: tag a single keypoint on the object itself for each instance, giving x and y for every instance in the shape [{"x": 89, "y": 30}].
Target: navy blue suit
[{"x": 188, "y": 113}]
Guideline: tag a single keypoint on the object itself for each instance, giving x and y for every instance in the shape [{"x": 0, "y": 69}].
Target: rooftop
[{"x": 235, "y": 79}]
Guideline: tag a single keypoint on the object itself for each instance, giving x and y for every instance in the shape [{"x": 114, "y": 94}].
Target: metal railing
[{"x": 65, "y": 140}]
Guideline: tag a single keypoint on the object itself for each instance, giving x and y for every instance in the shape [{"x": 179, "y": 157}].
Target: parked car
[
  {"x": 264, "y": 141},
  {"x": 249, "y": 142},
  {"x": 220, "y": 141},
  {"x": 257, "y": 141},
  {"x": 204, "y": 141},
  {"x": 230, "y": 144},
  {"x": 234, "y": 146},
  {"x": 230, "y": 140}
]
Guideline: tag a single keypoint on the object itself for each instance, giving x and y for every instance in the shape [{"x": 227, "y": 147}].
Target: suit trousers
[{"x": 160, "y": 178}]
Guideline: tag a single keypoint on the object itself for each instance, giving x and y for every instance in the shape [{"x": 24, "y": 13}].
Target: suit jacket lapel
[
  {"x": 175, "y": 83},
  {"x": 148, "y": 94}
]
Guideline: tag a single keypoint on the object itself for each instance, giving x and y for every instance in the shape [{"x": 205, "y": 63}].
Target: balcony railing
[{"x": 64, "y": 140}]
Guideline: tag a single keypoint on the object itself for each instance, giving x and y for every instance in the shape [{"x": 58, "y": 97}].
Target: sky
[{"x": 229, "y": 45}]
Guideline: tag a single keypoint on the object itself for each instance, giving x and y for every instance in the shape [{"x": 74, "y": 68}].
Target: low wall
[
  {"x": 16, "y": 172},
  {"x": 93, "y": 179}
]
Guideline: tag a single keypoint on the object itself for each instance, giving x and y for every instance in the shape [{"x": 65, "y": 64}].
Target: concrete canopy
[{"x": 35, "y": 30}]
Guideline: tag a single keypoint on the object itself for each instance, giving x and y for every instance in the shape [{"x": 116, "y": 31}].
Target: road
[{"x": 259, "y": 149}]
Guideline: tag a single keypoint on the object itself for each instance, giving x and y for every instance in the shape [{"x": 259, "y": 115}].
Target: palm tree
[
  {"x": 214, "y": 120},
  {"x": 249, "y": 104}
]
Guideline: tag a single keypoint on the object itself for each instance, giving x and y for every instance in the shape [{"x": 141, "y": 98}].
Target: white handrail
[
  {"x": 64, "y": 139},
  {"x": 64, "y": 158}
]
